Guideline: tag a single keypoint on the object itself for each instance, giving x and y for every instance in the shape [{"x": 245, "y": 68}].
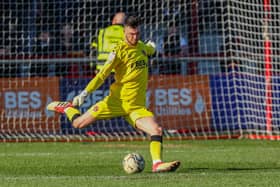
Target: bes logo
[
  {"x": 141, "y": 64},
  {"x": 22, "y": 100},
  {"x": 23, "y": 104},
  {"x": 175, "y": 101}
]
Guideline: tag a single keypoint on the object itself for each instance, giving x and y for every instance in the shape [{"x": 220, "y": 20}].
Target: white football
[{"x": 133, "y": 163}]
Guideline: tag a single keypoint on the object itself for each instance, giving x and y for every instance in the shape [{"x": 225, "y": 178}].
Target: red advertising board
[
  {"x": 23, "y": 104},
  {"x": 180, "y": 102}
]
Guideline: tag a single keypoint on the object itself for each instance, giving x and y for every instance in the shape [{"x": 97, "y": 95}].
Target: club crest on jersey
[
  {"x": 141, "y": 64},
  {"x": 95, "y": 108}
]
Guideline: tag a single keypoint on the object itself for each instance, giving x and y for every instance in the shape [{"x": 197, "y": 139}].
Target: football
[{"x": 133, "y": 163}]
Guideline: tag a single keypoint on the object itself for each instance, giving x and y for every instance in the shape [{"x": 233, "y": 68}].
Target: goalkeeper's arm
[{"x": 97, "y": 81}]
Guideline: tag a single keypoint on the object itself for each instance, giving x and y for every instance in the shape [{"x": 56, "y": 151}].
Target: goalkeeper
[{"x": 127, "y": 95}]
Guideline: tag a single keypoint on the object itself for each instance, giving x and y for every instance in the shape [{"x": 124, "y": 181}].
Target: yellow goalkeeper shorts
[{"x": 110, "y": 107}]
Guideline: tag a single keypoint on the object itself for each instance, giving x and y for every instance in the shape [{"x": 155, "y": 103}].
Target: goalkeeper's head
[{"x": 131, "y": 30}]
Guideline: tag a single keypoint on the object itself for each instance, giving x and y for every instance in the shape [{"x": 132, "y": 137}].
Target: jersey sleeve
[{"x": 98, "y": 80}]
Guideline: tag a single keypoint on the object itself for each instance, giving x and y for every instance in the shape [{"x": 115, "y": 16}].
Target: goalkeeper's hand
[
  {"x": 151, "y": 43},
  {"x": 80, "y": 99}
]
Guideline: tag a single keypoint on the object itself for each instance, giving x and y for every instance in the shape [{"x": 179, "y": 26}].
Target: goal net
[{"x": 215, "y": 73}]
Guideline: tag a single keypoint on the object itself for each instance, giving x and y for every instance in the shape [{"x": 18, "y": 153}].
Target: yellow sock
[
  {"x": 155, "y": 150},
  {"x": 72, "y": 113}
]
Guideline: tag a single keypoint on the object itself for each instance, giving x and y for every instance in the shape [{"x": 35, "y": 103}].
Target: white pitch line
[
  {"x": 64, "y": 177},
  {"x": 106, "y": 177},
  {"x": 140, "y": 176},
  {"x": 56, "y": 154},
  {"x": 34, "y": 154}
]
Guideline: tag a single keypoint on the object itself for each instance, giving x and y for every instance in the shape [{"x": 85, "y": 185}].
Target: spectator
[
  {"x": 44, "y": 44},
  {"x": 70, "y": 45},
  {"x": 173, "y": 44},
  {"x": 67, "y": 38},
  {"x": 69, "y": 42},
  {"x": 108, "y": 38},
  {"x": 44, "y": 47},
  {"x": 9, "y": 69}
]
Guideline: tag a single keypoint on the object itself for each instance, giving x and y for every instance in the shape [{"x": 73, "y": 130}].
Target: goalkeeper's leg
[
  {"x": 72, "y": 113},
  {"x": 148, "y": 125},
  {"x": 101, "y": 110}
]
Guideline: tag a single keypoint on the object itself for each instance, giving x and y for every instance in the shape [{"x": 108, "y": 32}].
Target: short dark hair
[{"x": 132, "y": 21}]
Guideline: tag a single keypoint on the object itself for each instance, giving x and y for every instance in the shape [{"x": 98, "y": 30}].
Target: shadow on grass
[{"x": 230, "y": 169}]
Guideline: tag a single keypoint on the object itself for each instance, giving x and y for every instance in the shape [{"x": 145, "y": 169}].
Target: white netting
[{"x": 215, "y": 74}]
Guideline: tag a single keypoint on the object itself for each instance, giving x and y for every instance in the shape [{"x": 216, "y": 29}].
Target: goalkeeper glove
[
  {"x": 151, "y": 43},
  {"x": 80, "y": 99}
]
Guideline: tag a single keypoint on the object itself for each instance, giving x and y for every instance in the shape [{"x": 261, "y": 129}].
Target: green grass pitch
[{"x": 204, "y": 163}]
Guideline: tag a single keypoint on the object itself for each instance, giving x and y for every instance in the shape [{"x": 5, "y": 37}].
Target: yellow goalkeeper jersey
[{"x": 131, "y": 72}]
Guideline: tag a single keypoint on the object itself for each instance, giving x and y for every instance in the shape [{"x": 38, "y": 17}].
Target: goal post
[
  {"x": 215, "y": 74},
  {"x": 267, "y": 53}
]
